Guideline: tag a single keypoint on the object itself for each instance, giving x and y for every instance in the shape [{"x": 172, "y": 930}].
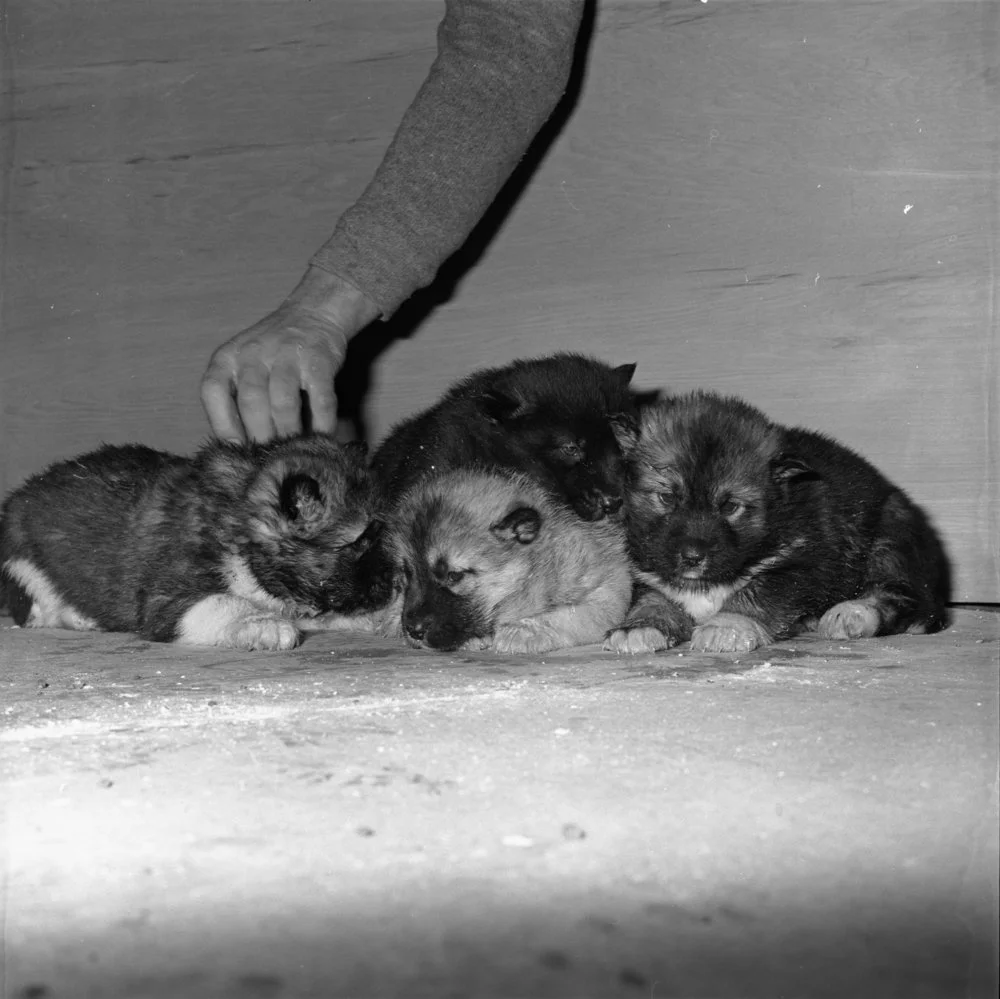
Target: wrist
[{"x": 333, "y": 299}]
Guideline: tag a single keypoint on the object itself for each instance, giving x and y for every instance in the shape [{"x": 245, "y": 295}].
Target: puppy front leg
[
  {"x": 653, "y": 622},
  {"x": 751, "y": 618},
  {"x": 219, "y": 619},
  {"x": 726, "y": 632},
  {"x": 386, "y": 622},
  {"x": 582, "y": 623}
]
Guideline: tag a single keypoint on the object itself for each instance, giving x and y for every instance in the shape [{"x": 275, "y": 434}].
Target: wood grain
[{"x": 793, "y": 201}]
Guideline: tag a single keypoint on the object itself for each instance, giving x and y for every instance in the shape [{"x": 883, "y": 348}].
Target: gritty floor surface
[{"x": 817, "y": 819}]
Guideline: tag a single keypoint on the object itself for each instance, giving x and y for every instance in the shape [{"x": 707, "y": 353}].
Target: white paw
[
  {"x": 850, "y": 619},
  {"x": 637, "y": 641},
  {"x": 477, "y": 644},
  {"x": 522, "y": 637},
  {"x": 729, "y": 633},
  {"x": 266, "y": 633}
]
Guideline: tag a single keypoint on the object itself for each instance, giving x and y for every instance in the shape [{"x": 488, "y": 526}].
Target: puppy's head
[
  {"x": 466, "y": 540},
  {"x": 315, "y": 536},
  {"x": 568, "y": 416},
  {"x": 708, "y": 474}
]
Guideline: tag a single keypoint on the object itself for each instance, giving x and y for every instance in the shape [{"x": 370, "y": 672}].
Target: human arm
[{"x": 500, "y": 70}]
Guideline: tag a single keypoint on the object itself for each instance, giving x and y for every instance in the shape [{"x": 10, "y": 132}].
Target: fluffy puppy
[
  {"x": 492, "y": 561},
  {"x": 558, "y": 419},
  {"x": 231, "y": 547},
  {"x": 745, "y": 532}
]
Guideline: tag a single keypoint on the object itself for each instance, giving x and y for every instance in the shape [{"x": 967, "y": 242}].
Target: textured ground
[{"x": 349, "y": 819}]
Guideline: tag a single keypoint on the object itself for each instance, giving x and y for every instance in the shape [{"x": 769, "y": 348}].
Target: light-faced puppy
[
  {"x": 745, "y": 532},
  {"x": 234, "y": 547},
  {"x": 492, "y": 561}
]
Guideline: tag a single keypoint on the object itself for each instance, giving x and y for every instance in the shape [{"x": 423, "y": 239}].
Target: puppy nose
[
  {"x": 610, "y": 504},
  {"x": 693, "y": 553},
  {"x": 415, "y": 627}
]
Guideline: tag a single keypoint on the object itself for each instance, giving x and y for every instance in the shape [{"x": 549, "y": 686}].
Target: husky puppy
[
  {"x": 745, "y": 532},
  {"x": 558, "y": 419},
  {"x": 231, "y": 547},
  {"x": 492, "y": 561}
]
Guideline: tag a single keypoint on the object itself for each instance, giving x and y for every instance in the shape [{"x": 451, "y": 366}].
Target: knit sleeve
[{"x": 500, "y": 70}]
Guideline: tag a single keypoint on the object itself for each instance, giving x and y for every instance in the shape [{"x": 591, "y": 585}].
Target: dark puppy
[
  {"x": 232, "y": 547},
  {"x": 745, "y": 532},
  {"x": 558, "y": 419}
]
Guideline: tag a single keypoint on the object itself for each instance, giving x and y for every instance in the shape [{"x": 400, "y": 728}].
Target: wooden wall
[{"x": 794, "y": 200}]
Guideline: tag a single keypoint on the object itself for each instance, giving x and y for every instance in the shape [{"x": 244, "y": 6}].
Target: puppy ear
[
  {"x": 625, "y": 372},
  {"x": 625, "y": 427},
  {"x": 500, "y": 407},
  {"x": 786, "y": 467},
  {"x": 228, "y": 464},
  {"x": 521, "y": 525},
  {"x": 301, "y": 503}
]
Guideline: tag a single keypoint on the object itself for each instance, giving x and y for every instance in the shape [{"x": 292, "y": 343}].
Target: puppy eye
[
  {"x": 454, "y": 577},
  {"x": 368, "y": 536},
  {"x": 571, "y": 450},
  {"x": 731, "y": 507}
]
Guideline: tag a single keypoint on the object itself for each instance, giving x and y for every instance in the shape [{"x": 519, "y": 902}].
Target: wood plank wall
[{"x": 793, "y": 200}]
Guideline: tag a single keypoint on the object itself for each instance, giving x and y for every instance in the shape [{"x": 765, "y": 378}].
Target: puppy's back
[
  {"x": 72, "y": 529},
  {"x": 471, "y": 426}
]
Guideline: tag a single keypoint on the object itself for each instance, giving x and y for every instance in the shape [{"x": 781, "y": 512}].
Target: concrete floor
[{"x": 349, "y": 819}]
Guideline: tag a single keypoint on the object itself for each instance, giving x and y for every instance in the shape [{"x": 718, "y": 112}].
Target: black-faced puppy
[
  {"x": 558, "y": 419},
  {"x": 233, "y": 546},
  {"x": 492, "y": 561},
  {"x": 745, "y": 532}
]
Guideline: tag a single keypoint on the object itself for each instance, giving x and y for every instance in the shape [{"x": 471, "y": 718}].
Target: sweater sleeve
[{"x": 500, "y": 70}]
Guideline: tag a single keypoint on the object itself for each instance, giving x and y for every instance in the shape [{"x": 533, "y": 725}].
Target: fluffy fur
[
  {"x": 491, "y": 561},
  {"x": 558, "y": 419},
  {"x": 231, "y": 547},
  {"x": 745, "y": 532}
]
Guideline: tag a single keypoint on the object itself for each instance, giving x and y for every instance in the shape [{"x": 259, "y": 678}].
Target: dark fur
[
  {"x": 557, "y": 419},
  {"x": 131, "y": 539},
  {"x": 745, "y": 532}
]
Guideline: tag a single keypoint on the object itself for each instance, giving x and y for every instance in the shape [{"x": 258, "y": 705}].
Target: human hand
[{"x": 253, "y": 385}]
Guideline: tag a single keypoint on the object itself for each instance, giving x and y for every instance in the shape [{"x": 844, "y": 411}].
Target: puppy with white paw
[
  {"x": 745, "y": 532},
  {"x": 237, "y": 546},
  {"x": 491, "y": 561}
]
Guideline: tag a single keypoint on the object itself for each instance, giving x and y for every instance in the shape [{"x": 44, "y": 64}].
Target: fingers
[
  {"x": 220, "y": 405},
  {"x": 254, "y": 402},
  {"x": 285, "y": 399},
  {"x": 254, "y": 382},
  {"x": 266, "y": 402},
  {"x": 317, "y": 380}
]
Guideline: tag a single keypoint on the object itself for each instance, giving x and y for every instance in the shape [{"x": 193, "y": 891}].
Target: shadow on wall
[
  {"x": 480, "y": 943},
  {"x": 354, "y": 381}
]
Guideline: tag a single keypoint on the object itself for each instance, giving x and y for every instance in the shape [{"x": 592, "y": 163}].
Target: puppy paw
[
  {"x": 729, "y": 633},
  {"x": 524, "y": 637},
  {"x": 850, "y": 619},
  {"x": 264, "y": 633},
  {"x": 477, "y": 644},
  {"x": 637, "y": 641}
]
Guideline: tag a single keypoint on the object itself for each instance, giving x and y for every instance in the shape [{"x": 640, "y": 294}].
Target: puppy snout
[
  {"x": 610, "y": 503},
  {"x": 693, "y": 554},
  {"x": 597, "y": 504},
  {"x": 415, "y": 626}
]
